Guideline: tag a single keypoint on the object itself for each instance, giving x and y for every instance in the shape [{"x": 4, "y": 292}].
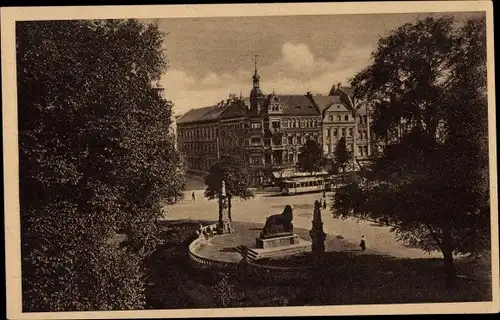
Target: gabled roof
[
  {"x": 340, "y": 107},
  {"x": 323, "y": 102},
  {"x": 348, "y": 90},
  {"x": 335, "y": 91}
]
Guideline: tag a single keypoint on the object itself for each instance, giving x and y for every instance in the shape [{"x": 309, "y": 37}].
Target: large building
[{"x": 268, "y": 130}]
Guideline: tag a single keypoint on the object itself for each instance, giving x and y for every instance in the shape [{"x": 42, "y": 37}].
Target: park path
[{"x": 379, "y": 239}]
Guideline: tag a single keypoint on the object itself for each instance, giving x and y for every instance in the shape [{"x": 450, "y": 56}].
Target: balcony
[{"x": 255, "y": 146}]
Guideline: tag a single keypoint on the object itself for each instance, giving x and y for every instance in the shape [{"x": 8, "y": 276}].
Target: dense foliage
[
  {"x": 311, "y": 158},
  {"x": 234, "y": 172},
  {"x": 94, "y": 159},
  {"x": 427, "y": 85},
  {"x": 342, "y": 156}
]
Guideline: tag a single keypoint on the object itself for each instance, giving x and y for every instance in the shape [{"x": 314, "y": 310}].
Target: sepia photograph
[{"x": 250, "y": 160}]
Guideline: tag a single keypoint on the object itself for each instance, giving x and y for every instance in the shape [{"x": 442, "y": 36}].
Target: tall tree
[
  {"x": 342, "y": 156},
  {"x": 428, "y": 83},
  {"x": 234, "y": 172},
  {"x": 94, "y": 159},
  {"x": 311, "y": 158}
]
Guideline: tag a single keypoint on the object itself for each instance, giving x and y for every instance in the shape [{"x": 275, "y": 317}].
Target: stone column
[
  {"x": 316, "y": 233},
  {"x": 226, "y": 227}
]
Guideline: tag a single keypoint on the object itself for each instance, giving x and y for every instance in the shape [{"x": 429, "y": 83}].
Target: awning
[{"x": 295, "y": 174}]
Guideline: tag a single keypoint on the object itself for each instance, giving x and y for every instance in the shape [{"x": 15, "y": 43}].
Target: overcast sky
[{"x": 209, "y": 58}]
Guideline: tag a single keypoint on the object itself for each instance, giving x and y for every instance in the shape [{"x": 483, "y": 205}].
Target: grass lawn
[{"x": 344, "y": 277}]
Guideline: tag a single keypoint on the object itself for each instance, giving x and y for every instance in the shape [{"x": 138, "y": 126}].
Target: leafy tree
[
  {"x": 428, "y": 83},
  {"x": 342, "y": 156},
  {"x": 234, "y": 172},
  {"x": 311, "y": 158},
  {"x": 94, "y": 159}
]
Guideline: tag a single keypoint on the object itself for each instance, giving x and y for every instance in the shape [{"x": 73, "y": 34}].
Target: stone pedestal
[
  {"x": 226, "y": 227},
  {"x": 281, "y": 241},
  {"x": 317, "y": 235},
  {"x": 278, "y": 247}
]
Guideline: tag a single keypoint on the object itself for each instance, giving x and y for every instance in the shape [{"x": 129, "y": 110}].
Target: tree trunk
[
  {"x": 221, "y": 210},
  {"x": 449, "y": 264},
  {"x": 229, "y": 209}
]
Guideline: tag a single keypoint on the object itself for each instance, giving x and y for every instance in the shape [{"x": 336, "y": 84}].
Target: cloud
[
  {"x": 297, "y": 56},
  {"x": 297, "y": 71},
  {"x": 176, "y": 79},
  {"x": 212, "y": 79}
]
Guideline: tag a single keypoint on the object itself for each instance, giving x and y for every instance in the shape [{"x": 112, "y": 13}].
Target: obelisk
[
  {"x": 316, "y": 233},
  {"x": 226, "y": 227}
]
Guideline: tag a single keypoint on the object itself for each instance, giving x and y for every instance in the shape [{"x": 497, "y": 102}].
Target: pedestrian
[
  {"x": 362, "y": 244},
  {"x": 193, "y": 196},
  {"x": 324, "y": 194},
  {"x": 324, "y": 204}
]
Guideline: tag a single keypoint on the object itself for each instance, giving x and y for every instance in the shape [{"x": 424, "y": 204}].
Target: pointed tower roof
[{"x": 256, "y": 76}]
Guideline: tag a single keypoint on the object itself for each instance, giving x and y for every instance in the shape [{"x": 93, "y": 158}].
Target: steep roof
[
  {"x": 202, "y": 114},
  {"x": 348, "y": 90},
  {"x": 323, "y": 102},
  {"x": 297, "y": 105},
  {"x": 335, "y": 90},
  {"x": 235, "y": 110}
]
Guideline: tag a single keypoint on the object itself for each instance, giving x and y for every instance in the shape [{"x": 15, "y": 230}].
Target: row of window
[
  {"x": 290, "y": 140},
  {"x": 213, "y": 132},
  {"x": 287, "y": 158},
  {"x": 361, "y": 152},
  {"x": 335, "y": 132},
  {"x": 198, "y": 133},
  {"x": 297, "y": 123},
  {"x": 347, "y": 117}
]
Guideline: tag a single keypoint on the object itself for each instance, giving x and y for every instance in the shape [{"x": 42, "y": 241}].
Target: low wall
[
  {"x": 204, "y": 262},
  {"x": 248, "y": 269}
]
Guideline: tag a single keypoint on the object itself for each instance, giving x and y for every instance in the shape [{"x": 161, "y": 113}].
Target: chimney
[
  {"x": 338, "y": 86},
  {"x": 308, "y": 93}
]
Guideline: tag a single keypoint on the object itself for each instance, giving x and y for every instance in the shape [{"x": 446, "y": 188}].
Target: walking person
[
  {"x": 362, "y": 244},
  {"x": 194, "y": 198},
  {"x": 324, "y": 204}
]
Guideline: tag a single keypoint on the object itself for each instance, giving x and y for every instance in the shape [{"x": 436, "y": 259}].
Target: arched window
[
  {"x": 346, "y": 117},
  {"x": 330, "y": 118},
  {"x": 339, "y": 118}
]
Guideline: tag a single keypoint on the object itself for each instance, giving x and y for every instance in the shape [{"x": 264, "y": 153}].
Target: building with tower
[{"x": 268, "y": 130}]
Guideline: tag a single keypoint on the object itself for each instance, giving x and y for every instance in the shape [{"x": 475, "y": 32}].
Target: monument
[
  {"x": 316, "y": 233},
  {"x": 224, "y": 226},
  {"x": 277, "y": 238}
]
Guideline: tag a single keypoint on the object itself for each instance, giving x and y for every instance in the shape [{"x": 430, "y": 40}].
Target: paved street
[{"x": 378, "y": 239}]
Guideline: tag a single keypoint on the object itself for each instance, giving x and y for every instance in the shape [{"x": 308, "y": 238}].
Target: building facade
[{"x": 268, "y": 130}]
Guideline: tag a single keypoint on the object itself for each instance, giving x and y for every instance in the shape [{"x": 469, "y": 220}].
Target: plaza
[{"x": 342, "y": 235}]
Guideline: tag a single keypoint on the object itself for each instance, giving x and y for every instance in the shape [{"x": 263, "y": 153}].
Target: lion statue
[{"x": 279, "y": 223}]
